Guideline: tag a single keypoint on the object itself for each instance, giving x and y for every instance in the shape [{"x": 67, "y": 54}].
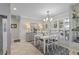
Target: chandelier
[{"x": 48, "y": 17}]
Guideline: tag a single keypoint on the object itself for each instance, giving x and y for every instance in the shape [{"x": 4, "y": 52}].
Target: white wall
[
  {"x": 22, "y": 29},
  {"x": 15, "y": 31},
  {"x": 4, "y": 8}
]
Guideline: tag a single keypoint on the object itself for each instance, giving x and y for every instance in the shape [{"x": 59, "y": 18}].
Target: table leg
[
  {"x": 34, "y": 41},
  {"x": 44, "y": 49}
]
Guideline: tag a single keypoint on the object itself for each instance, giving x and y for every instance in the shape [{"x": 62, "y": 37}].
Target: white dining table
[{"x": 44, "y": 41}]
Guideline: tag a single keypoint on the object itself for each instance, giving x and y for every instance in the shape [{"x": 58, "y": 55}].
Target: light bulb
[
  {"x": 44, "y": 20},
  {"x": 14, "y": 8},
  {"x": 51, "y": 19}
]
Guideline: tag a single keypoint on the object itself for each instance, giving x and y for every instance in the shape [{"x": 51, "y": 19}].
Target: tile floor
[{"x": 24, "y": 48}]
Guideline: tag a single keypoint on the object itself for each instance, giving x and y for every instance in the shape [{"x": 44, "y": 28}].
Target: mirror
[
  {"x": 60, "y": 24},
  {"x": 55, "y": 24}
]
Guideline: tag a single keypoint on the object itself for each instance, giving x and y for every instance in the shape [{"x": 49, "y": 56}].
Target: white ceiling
[{"x": 38, "y": 10}]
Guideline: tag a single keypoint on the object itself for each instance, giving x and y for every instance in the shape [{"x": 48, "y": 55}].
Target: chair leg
[
  {"x": 47, "y": 49},
  {"x": 52, "y": 47}
]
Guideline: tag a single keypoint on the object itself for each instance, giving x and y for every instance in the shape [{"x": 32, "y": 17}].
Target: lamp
[
  {"x": 48, "y": 17},
  {"x": 47, "y": 21}
]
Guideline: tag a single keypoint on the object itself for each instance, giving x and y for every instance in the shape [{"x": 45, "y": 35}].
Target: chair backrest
[
  {"x": 45, "y": 32},
  {"x": 54, "y": 36}
]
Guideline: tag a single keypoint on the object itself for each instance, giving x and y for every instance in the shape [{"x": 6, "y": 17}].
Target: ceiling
[{"x": 38, "y": 10}]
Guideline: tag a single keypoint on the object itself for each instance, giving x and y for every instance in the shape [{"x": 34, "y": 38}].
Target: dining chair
[{"x": 50, "y": 43}]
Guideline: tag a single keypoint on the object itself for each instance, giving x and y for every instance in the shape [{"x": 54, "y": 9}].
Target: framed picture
[
  {"x": 55, "y": 24},
  {"x": 60, "y": 24},
  {"x": 13, "y": 25},
  {"x": 34, "y": 27}
]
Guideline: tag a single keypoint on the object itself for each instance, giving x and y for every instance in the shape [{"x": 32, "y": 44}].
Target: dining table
[{"x": 44, "y": 39}]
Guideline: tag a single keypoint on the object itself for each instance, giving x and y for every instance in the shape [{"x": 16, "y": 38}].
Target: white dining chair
[{"x": 51, "y": 41}]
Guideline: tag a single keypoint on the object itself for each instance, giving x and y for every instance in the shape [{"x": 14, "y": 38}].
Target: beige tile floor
[{"x": 24, "y": 48}]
